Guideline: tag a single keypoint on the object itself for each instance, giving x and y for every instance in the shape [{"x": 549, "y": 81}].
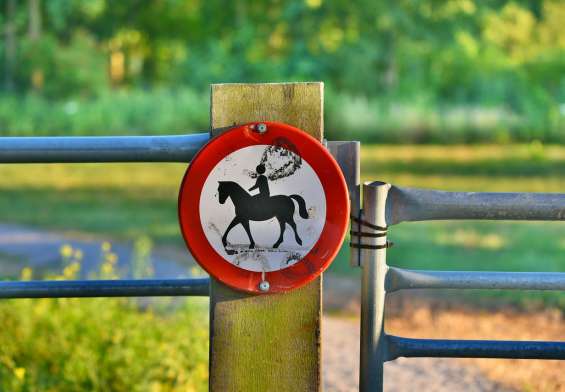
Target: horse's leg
[
  {"x": 282, "y": 224},
  {"x": 233, "y": 223},
  {"x": 296, "y": 236},
  {"x": 245, "y": 224}
]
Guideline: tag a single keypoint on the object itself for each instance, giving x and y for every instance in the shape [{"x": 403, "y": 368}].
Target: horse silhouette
[{"x": 260, "y": 208}]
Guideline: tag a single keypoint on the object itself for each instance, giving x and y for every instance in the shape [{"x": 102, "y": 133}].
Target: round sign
[{"x": 264, "y": 207}]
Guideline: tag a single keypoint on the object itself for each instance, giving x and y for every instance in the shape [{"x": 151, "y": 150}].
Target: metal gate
[{"x": 386, "y": 205}]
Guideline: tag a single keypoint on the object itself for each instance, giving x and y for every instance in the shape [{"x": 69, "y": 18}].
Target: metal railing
[
  {"x": 386, "y": 205},
  {"x": 174, "y": 148}
]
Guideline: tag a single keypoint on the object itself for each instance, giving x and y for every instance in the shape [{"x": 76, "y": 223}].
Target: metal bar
[
  {"x": 400, "y": 279},
  {"x": 348, "y": 157},
  {"x": 409, "y": 204},
  {"x": 172, "y": 148},
  {"x": 373, "y": 261},
  {"x": 105, "y": 288},
  {"x": 406, "y": 347}
]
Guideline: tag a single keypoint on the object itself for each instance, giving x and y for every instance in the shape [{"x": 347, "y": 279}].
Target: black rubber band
[
  {"x": 365, "y": 234},
  {"x": 367, "y": 246},
  {"x": 365, "y": 223},
  {"x": 358, "y": 220}
]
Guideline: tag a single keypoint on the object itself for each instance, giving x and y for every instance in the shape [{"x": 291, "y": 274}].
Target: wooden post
[{"x": 266, "y": 342}]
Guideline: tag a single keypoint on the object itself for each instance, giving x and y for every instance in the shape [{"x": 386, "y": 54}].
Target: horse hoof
[
  {"x": 252, "y": 246},
  {"x": 276, "y": 246},
  {"x": 230, "y": 252},
  {"x": 299, "y": 241}
]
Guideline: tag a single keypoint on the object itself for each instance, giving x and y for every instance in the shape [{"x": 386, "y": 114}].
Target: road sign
[{"x": 264, "y": 207}]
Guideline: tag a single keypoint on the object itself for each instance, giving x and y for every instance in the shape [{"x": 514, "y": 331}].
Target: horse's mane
[{"x": 234, "y": 186}]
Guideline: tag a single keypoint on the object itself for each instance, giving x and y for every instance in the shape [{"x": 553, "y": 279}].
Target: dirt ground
[
  {"x": 341, "y": 366},
  {"x": 418, "y": 316}
]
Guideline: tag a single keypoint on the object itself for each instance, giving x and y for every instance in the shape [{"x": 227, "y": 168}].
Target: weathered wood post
[{"x": 266, "y": 342}]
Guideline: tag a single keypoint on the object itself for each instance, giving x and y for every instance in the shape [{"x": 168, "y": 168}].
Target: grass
[
  {"x": 127, "y": 201},
  {"x": 123, "y": 200}
]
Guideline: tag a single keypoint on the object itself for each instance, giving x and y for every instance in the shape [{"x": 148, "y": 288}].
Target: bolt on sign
[{"x": 264, "y": 207}]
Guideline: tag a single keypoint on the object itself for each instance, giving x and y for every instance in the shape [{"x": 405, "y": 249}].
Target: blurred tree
[
  {"x": 9, "y": 44},
  {"x": 508, "y": 53}
]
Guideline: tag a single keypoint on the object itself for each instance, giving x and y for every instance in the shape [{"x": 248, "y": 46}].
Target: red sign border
[{"x": 333, "y": 183}]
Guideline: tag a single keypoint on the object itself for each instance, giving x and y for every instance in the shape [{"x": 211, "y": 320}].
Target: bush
[
  {"x": 102, "y": 344},
  {"x": 120, "y": 112},
  {"x": 419, "y": 119}
]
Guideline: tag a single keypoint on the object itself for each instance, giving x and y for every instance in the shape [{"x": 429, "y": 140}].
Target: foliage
[
  {"x": 473, "y": 57},
  {"x": 102, "y": 344},
  {"x": 122, "y": 112}
]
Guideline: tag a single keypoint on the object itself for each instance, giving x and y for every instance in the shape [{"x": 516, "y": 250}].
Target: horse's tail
[{"x": 301, "y": 206}]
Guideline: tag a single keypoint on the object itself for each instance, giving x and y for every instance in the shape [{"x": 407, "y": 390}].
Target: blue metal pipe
[
  {"x": 399, "y": 279},
  {"x": 83, "y": 149},
  {"x": 406, "y": 347},
  {"x": 105, "y": 288},
  {"x": 412, "y": 204}
]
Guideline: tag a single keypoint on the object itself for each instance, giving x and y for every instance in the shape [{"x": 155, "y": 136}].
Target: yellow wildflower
[
  {"x": 66, "y": 251},
  {"x": 26, "y": 274},
  {"x": 20, "y": 373},
  {"x": 107, "y": 268},
  {"x": 106, "y": 246}
]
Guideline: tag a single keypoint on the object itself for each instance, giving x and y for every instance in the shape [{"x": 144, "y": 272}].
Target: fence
[
  {"x": 102, "y": 149},
  {"x": 386, "y": 205}
]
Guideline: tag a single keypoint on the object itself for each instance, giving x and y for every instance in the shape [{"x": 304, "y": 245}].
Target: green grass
[{"x": 127, "y": 201}]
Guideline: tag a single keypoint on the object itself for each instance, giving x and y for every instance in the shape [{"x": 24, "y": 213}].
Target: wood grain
[
  {"x": 297, "y": 104},
  {"x": 266, "y": 342}
]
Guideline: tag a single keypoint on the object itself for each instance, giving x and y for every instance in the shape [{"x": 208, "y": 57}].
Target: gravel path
[{"x": 341, "y": 366}]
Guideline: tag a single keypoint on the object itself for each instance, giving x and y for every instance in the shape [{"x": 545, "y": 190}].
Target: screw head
[
  {"x": 264, "y": 286},
  {"x": 261, "y": 128}
]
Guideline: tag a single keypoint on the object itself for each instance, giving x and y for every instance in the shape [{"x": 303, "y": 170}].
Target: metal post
[
  {"x": 348, "y": 157},
  {"x": 373, "y": 342}
]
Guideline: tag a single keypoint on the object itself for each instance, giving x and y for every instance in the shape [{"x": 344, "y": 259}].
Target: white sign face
[{"x": 262, "y": 208}]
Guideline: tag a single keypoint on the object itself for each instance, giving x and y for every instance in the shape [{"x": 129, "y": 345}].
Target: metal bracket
[{"x": 347, "y": 155}]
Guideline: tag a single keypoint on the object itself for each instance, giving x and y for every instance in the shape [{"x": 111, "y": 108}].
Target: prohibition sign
[{"x": 264, "y": 207}]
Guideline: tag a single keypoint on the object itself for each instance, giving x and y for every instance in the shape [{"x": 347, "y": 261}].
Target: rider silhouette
[{"x": 262, "y": 183}]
